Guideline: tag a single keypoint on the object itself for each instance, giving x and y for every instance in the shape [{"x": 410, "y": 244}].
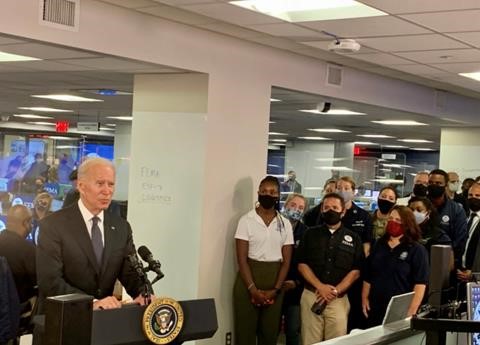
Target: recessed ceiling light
[
  {"x": 386, "y": 170},
  {"x": 422, "y": 149},
  {"x": 332, "y": 112},
  {"x": 380, "y": 136},
  {"x": 7, "y": 57},
  {"x": 276, "y": 133},
  {"x": 111, "y": 124},
  {"x": 46, "y": 109},
  {"x": 415, "y": 140},
  {"x": 32, "y": 116},
  {"x": 42, "y": 123},
  {"x": 123, "y": 118},
  {"x": 472, "y": 75},
  {"x": 400, "y": 123},
  {"x": 279, "y": 140},
  {"x": 314, "y": 138},
  {"x": 309, "y": 10},
  {"x": 271, "y": 122},
  {"x": 106, "y": 129},
  {"x": 393, "y": 165},
  {"x": 328, "y": 130},
  {"x": 275, "y": 100},
  {"x": 364, "y": 143},
  {"x": 334, "y": 168},
  {"x": 384, "y": 180},
  {"x": 68, "y": 98}
]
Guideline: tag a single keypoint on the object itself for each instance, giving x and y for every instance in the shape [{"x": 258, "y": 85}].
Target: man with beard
[{"x": 452, "y": 216}]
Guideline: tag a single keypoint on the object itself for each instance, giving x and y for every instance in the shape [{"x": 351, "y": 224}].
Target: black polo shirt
[
  {"x": 330, "y": 256},
  {"x": 359, "y": 221},
  {"x": 395, "y": 271}
]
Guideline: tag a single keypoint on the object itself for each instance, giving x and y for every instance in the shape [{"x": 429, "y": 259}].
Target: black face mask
[
  {"x": 435, "y": 191},
  {"x": 385, "y": 205},
  {"x": 267, "y": 201},
  {"x": 473, "y": 204},
  {"x": 420, "y": 190},
  {"x": 331, "y": 217}
]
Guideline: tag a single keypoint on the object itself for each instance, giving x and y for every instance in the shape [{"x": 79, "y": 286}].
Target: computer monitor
[
  {"x": 398, "y": 308},
  {"x": 473, "y": 311}
]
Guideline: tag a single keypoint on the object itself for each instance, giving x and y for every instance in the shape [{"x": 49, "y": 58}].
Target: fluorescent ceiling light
[
  {"x": 42, "y": 123},
  {"x": 276, "y": 133},
  {"x": 32, "y": 116},
  {"x": 279, "y": 140},
  {"x": 395, "y": 146},
  {"x": 7, "y": 57},
  {"x": 391, "y": 165},
  {"x": 273, "y": 165},
  {"x": 111, "y": 124},
  {"x": 387, "y": 180},
  {"x": 330, "y": 159},
  {"x": 380, "y": 136},
  {"x": 332, "y": 112},
  {"x": 386, "y": 170},
  {"x": 472, "y": 75},
  {"x": 66, "y": 147},
  {"x": 106, "y": 129},
  {"x": 123, "y": 118},
  {"x": 313, "y": 188},
  {"x": 68, "y": 98},
  {"x": 57, "y": 137},
  {"x": 364, "y": 143},
  {"x": 335, "y": 168},
  {"x": 422, "y": 149},
  {"x": 274, "y": 147},
  {"x": 400, "y": 123},
  {"x": 46, "y": 109},
  {"x": 328, "y": 130},
  {"x": 415, "y": 141},
  {"x": 309, "y": 10},
  {"x": 275, "y": 100},
  {"x": 314, "y": 138},
  {"x": 271, "y": 122}
]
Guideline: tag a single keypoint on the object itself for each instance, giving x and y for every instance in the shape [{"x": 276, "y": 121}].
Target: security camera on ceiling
[{"x": 344, "y": 46}]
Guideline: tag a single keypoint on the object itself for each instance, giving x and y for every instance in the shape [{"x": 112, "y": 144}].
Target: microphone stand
[{"x": 142, "y": 274}]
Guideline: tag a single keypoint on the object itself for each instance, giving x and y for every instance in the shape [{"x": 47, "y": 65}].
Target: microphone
[
  {"x": 136, "y": 264},
  {"x": 153, "y": 265}
]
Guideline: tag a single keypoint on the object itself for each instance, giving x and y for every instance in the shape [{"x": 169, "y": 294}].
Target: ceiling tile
[
  {"x": 459, "y": 67},
  {"x": 177, "y": 14},
  {"x": 231, "y": 30},
  {"x": 46, "y": 52},
  {"x": 232, "y": 14},
  {"x": 417, "y": 6},
  {"x": 411, "y": 43},
  {"x": 132, "y": 3},
  {"x": 472, "y": 38},
  {"x": 453, "y": 21},
  {"x": 443, "y": 56},
  {"x": 367, "y": 27},
  {"x": 277, "y": 42},
  {"x": 381, "y": 59},
  {"x": 288, "y": 30},
  {"x": 417, "y": 69}
]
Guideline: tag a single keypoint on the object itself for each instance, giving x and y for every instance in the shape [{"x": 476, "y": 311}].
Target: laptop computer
[
  {"x": 473, "y": 310},
  {"x": 397, "y": 309}
]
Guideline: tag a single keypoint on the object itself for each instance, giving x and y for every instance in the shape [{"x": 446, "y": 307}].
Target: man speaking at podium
[{"x": 83, "y": 248}]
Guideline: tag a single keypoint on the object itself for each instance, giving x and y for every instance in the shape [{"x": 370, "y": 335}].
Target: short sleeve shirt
[
  {"x": 330, "y": 256},
  {"x": 264, "y": 242}
]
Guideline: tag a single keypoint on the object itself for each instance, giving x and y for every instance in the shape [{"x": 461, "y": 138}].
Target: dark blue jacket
[
  {"x": 9, "y": 303},
  {"x": 453, "y": 221}
]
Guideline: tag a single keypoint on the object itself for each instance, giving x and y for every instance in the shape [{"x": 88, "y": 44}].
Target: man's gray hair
[{"x": 84, "y": 168}]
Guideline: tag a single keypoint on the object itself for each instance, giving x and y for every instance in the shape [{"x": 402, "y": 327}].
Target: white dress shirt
[{"x": 87, "y": 218}]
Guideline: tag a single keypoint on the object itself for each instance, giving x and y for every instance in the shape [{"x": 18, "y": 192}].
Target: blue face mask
[{"x": 293, "y": 214}]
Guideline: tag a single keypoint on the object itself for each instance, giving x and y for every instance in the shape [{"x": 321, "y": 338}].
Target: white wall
[{"x": 121, "y": 151}]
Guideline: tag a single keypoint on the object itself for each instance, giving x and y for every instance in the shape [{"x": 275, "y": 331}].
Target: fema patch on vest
[
  {"x": 162, "y": 320},
  {"x": 347, "y": 240},
  {"x": 403, "y": 255},
  {"x": 445, "y": 219}
]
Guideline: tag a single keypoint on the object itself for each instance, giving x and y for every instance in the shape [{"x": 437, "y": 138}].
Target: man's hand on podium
[
  {"x": 140, "y": 299},
  {"x": 109, "y": 302}
]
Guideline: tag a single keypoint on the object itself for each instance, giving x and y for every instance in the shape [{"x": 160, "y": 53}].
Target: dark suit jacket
[{"x": 66, "y": 261}]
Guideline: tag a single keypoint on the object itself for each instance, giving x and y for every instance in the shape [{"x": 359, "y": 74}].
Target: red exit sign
[{"x": 62, "y": 126}]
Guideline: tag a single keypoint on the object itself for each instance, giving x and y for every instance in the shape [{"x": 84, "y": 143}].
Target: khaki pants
[{"x": 330, "y": 324}]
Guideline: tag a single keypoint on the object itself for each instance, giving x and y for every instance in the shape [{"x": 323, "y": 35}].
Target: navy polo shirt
[
  {"x": 395, "y": 271},
  {"x": 359, "y": 221},
  {"x": 330, "y": 256}
]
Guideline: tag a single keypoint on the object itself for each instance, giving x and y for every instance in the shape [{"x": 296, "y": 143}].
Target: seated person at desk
[
  {"x": 397, "y": 264},
  {"x": 83, "y": 249},
  {"x": 19, "y": 252}
]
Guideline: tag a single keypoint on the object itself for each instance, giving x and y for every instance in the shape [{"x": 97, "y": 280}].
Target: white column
[{"x": 121, "y": 152}]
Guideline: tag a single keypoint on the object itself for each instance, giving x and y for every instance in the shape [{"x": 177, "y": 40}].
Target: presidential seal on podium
[{"x": 162, "y": 320}]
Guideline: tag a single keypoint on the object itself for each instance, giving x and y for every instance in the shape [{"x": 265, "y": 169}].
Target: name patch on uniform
[
  {"x": 347, "y": 240},
  {"x": 358, "y": 223},
  {"x": 403, "y": 256}
]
